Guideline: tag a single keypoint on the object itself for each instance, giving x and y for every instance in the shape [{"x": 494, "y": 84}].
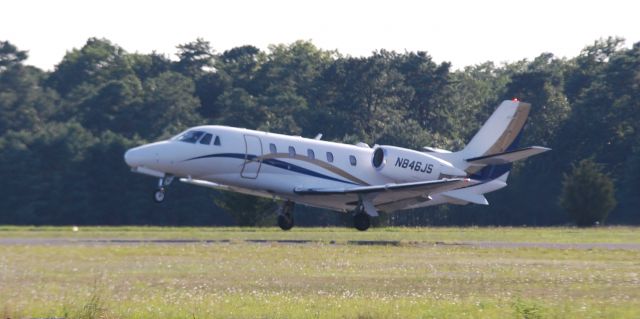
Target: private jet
[{"x": 356, "y": 179}]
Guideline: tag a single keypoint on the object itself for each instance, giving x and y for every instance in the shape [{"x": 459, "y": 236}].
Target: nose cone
[
  {"x": 148, "y": 156},
  {"x": 133, "y": 157}
]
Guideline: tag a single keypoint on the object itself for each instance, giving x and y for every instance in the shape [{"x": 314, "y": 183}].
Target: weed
[{"x": 527, "y": 309}]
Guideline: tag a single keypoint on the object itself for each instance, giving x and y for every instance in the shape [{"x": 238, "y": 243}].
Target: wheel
[
  {"x": 361, "y": 221},
  {"x": 158, "y": 195},
  {"x": 285, "y": 222},
  {"x": 285, "y": 217}
]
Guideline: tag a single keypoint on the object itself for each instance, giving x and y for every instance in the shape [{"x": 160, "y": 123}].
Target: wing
[
  {"x": 389, "y": 197},
  {"x": 222, "y": 187}
]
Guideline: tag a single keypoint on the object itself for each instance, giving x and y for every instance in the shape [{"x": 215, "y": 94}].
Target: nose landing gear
[
  {"x": 285, "y": 217},
  {"x": 158, "y": 194}
]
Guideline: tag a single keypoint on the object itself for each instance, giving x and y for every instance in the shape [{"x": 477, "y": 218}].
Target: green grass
[
  {"x": 240, "y": 279},
  {"x": 427, "y": 235}
]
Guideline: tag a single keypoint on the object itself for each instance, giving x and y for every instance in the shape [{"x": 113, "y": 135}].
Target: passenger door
[{"x": 253, "y": 150}]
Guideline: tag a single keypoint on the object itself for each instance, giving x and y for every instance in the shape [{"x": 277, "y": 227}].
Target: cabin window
[
  {"x": 352, "y": 160},
  {"x": 206, "y": 139},
  {"x": 272, "y": 148},
  {"x": 217, "y": 141},
  {"x": 190, "y": 136},
  {"x": 292, "y": 151},
  {"x": 329, "y": 157},
  {"x": 311, "y": 154}
]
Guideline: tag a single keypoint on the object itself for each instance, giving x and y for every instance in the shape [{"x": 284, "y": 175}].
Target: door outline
[{"x": 253, "y": 149}]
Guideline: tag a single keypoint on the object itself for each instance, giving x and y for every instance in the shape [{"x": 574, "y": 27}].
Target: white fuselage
[{"x": 273, "y": 165}]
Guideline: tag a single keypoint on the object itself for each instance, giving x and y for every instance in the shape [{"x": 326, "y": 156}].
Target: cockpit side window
[
  {"x": 217, "y": 141},
  {"x": 190, "y": 136},
  {"x": 206, "y": 139}
]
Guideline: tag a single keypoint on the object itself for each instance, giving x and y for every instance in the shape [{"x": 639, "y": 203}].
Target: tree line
[{"x": 63, "y": 132}]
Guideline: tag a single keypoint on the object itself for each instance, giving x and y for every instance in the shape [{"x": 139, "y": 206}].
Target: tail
[
  {"x": 491, "y": 151},
  {"x": 500, "y": 132}
]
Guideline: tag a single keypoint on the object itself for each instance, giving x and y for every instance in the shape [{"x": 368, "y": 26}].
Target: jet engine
[{"x": 404, "y": 165}]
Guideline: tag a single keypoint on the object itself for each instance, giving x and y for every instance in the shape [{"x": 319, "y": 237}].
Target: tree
[
  {"x": 97, "y": 62},
  {"x": 24, "y": 103},
  {"x": 147, "y": 66},
  {"x": 363, "y": 97},
  {"x": 629, "y": 209},
  {"x": 195, "y": 58},
  {"x": 587, "y": 193},
  {"x": 541, "y": 85},
  {"x": 587, "y": 66},
  {"x": 170, "y": 105},
  {"x": 57, "y": 192},
  {"x": 240, "y": 108},
  {"x": 115, "y": 107},
  {"x": 241, "y": 65},
  {"x": 209, "y": 88},
  {"x": 284, "y": 82},
  {"x": 10, "y": 55},
  {"x": 430, "y": 83}
]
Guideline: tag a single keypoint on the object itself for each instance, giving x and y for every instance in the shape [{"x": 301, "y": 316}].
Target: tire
[
  {"x": 285, "y": 222},
  {"x": 158, "y": 195},
  {"x": 361, "y": 221}
]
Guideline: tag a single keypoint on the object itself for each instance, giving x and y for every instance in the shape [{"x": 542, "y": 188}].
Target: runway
[{"x": 470, "y": 244}]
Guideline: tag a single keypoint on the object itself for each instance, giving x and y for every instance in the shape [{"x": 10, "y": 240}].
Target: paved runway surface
[{"x": 478, "y": 244}]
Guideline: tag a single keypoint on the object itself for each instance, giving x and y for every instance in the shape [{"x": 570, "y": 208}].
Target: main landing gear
[
  {"x": 158, "y": 194},
  {"x": 285, "y": 216},
  {"x": 361, "y": 220}
]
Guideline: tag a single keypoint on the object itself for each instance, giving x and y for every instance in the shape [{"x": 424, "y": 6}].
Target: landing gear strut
[
  {"x": 158, "y": 194},
  {"x": 285, "y": 217},
  {"x": 361, "y": 220}
]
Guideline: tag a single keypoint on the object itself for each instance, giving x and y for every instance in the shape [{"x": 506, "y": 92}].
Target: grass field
[
  {"x": 324, "y": 278},
  {"x": 429, "y": 235}
]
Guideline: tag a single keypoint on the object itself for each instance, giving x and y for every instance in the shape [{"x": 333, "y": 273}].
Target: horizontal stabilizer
[
  {"x": 461, "y": 198},
  {"x": 507, "y": 157}
]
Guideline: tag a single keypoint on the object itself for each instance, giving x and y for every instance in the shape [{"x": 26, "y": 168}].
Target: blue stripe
[
  {"x": 231, "y": 155},
  {"x": 275, "y": 163}
]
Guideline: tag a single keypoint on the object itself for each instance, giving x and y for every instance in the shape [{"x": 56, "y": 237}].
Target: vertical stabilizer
[{"x": 500, "y": 132}]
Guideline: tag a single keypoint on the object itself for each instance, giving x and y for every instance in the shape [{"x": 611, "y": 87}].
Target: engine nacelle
[{"x": 404, "y": 165}]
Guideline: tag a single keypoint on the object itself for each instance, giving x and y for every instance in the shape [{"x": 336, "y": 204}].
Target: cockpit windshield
[{"x": 189, "y": 136}]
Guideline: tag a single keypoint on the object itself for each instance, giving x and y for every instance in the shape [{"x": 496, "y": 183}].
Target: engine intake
[{"x": 378, "y": 157}]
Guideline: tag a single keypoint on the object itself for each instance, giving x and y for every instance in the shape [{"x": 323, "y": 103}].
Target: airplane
[{"x": 356, "y": 179}]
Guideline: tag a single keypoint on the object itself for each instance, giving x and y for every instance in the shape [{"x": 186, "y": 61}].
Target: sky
[{"x": 461, "y": 32}]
